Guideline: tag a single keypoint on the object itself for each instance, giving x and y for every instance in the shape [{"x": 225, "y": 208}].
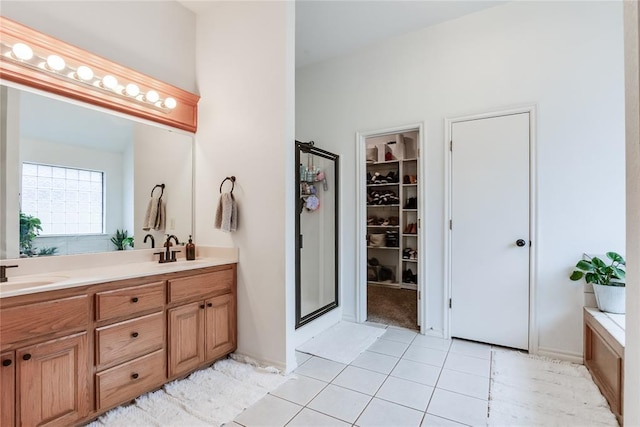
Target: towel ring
[
  {"x": 161, "y": 188},
  {"x": 233, "y": 183}
]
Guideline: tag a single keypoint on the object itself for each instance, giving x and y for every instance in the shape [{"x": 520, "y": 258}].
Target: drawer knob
[
  {"x": 135, "y": 335},
  {"x": 6, "y": 362},
  {"x": 202, "y": 306},
  {"x": 26, "y": 357},
  {"x": 209, "y": 304},
  {"x": 134, "y": 376},
  {"x": 134, "y": 299}
]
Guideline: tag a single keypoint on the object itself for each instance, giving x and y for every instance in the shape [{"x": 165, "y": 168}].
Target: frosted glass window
[{"x": 66, "y": 200}]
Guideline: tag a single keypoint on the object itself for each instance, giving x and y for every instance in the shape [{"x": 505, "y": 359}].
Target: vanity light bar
[{"x": 22, "y": 54}]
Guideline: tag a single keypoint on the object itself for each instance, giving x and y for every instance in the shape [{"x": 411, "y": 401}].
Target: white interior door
[{"x": 490, "y": 230}]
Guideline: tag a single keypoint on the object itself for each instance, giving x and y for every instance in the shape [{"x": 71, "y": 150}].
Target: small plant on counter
[
  {"x": 121, "y": 240},
  {"x": 596, "y": 271}
]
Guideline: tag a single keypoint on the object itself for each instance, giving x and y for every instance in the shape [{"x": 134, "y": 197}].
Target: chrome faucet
[
  {"x": 3, "y": 272},
  {"x": 153, "y": 241}
]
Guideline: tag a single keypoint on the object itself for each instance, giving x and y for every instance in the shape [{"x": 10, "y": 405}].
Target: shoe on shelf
[
  {"x": 406, "y": 179},
  {"x": 372, "y": 220},
  {"x": 413, "y": 179},
  {"x": 412, "y": 203},
  {"x": 406, "y": 253},
  {"x": 394, "y": 220},
  {"x": 414, "y": 229},
  {"x": 407, "y": 229}
]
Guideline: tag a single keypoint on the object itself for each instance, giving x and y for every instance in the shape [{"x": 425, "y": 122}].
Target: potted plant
[
  {"x": 607, "y": 280},
  {"x": 122, "y": 240}
]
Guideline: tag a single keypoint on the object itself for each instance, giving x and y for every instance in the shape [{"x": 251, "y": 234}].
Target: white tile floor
[{"x": 403, "y": 379}]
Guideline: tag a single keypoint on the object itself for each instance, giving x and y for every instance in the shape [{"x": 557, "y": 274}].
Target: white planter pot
[{"x": 610, "y": 298}]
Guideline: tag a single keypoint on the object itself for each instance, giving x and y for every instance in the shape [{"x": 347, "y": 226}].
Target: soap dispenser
[{"x": 191, "y": 250}]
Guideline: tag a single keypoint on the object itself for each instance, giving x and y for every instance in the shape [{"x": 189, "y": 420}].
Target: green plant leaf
[
  {"x": 619, "y": 273},
  {"x": 591, "y": 278},
  {"x": 613, "y": 256},
  {"x": 584, "y": 265},
  {"x": 597, "y": 262},
  {"x": 576, "y": 275}
]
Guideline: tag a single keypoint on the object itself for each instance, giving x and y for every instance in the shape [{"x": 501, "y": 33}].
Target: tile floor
[{"x": 403, "y": 379}]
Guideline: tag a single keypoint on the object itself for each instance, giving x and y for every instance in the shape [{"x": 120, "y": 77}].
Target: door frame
[
  {"x": 361, "y": 221},
  {"x": 533, "y": 217}
]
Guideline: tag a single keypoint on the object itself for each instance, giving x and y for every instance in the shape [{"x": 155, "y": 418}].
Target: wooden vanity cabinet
[
  {"x": 7, "y": 388},
  {"x": 202, "y": 322},
  {"x": 68, "y": 356},
  {"x": 46, "y": 343}
]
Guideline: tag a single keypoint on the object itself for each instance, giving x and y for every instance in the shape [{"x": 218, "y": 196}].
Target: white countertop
[{"x": 56, "y": 279}]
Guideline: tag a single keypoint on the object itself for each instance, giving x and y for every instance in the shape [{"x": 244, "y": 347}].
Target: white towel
[
  {"x": 154, "y": 218},
  {"x": 227, "y": 213}
]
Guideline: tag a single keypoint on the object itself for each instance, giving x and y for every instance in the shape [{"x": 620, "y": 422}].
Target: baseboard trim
[
  {"x": 561, "y": 355},
  {"x": 263, "y": 362},
  {"x": 435, "y": 333}
]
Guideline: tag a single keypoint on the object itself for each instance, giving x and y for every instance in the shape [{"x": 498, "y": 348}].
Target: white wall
[
  {"x": 565, "y": 56},
  {"x": 245, "y": 128},
  {"x": 632, "y": 350},
  {"x": 153, "y": 37}
]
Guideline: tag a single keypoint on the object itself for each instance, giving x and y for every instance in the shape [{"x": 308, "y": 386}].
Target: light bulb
[
  {"x": 152, "y": 96},
  {"x": 22, "y": 51},
  {"x": 170, "y": 103},
  {"x": 84, "y": 73},
  {"x": 132, "y": 90},
  {"x": 54, "y": 62},
  {"x": 109, "y": 82}
]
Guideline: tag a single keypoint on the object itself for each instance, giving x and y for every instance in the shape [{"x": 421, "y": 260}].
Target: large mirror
[
  {"x": 316, "y": 231},
  {"x": 75, "y": 179}
]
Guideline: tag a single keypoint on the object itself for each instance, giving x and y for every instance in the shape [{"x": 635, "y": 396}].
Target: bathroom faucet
[
  {"x": 169, "y": 254},
  {"x": 3, "y": 272},
  {"x": 153, "y": 241}
]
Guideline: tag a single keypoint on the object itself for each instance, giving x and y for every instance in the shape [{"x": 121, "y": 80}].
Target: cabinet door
[
  {"x": 186, "y": 337},
  {"x": 8, "y": 387},
  {"x": 220, "y": 330},
  {"x": 52, "y": 378}
]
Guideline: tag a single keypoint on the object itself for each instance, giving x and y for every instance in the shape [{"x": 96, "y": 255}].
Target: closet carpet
[{"x": 397, "y": 307}]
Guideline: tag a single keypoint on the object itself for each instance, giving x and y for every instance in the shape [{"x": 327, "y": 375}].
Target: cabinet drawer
[
  {"x": 129, "y": 301},
  {"x": 131, "y": 379},
  {"x": 201, "y": 285},
  {"x": 43, "y": 318},
  {"x": 126, "y": 340}
]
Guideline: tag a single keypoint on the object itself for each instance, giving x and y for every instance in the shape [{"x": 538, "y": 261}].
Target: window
[{"x": 66, "y": 200}]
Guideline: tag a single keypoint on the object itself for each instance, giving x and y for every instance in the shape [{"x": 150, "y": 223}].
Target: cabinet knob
[
  {"x": 6, "y": 362},
  {"x": 134, "y": 299},
  {"x": 134, "y": 335},
  {"x": 134, "y": 376},
  {"x": 201, "y": 305},
  {"x": 209, "y": 304},
  {"x": 26, "y": 357}
]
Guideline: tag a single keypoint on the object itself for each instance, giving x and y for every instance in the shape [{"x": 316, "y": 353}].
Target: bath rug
[
  {"x": 530, "y": 390},
  {"x": 209, "y": 397},
  {"x": 342, "y": 342}
]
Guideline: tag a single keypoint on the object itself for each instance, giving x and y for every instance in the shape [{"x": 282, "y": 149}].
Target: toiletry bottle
[{"x": 191, "y": 250}]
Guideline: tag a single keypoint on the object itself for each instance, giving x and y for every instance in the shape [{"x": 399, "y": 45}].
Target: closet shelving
[{"x": 406, "y": 212}]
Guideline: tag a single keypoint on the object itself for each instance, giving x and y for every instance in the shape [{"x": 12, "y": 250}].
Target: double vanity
[{"x": 76, "y": 343}]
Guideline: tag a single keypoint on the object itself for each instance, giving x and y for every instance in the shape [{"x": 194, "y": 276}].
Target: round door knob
[
  {"x": 134, "y": 299},
  {"x": 134, "y": 376},
  {"x": 26, "y": 357},
  {"x": 135, "y": 335},
  {"x": 520, "y": 242},
  {"x": 6, "y": 362},
  {"x": 201, "y": 305}
]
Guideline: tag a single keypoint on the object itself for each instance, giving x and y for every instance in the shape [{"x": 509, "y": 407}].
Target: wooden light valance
[{"x": 66, "y": 82}]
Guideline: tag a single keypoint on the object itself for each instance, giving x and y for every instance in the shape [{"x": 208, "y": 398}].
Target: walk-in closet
[{"x": 393, "y": 220}]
